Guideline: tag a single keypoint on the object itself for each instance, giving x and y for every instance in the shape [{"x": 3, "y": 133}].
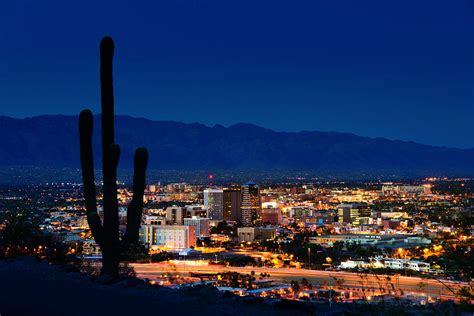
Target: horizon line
[{"x": 246, "y": 123}]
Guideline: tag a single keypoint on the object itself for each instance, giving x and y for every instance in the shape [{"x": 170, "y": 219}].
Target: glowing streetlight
[{"x": 309, "y": 258}]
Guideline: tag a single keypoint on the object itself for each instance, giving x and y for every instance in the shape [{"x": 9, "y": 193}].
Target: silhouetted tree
[
  {"x": 20, "y": 234},
  {"x": 106, "y": 234}
]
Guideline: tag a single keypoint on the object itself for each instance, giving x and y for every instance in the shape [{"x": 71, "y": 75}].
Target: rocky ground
[
  {"x": 28, "y": 287},
  {"x": 31, "y": 288}
]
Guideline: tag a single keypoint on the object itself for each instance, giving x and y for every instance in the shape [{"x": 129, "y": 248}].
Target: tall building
[
  {"x": 232, "y": 203},
  {"x": 251, "y": 204},
  {"x": 201, "y": 224},
  {"x": 214, "y": 203},
  {"x": 169, "y": 236},
  {"x": 354, "y": 213}
]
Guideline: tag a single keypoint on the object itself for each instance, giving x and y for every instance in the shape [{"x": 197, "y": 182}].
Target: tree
[
  {"x": 306, "y": 284},
  {"x": 421, "y": 285},
  {"x": 338, "y": 282},
  {"x": 295, "y": 286},
  {"x": 221, "y": 228},
  {"x": 465, "y": 294},
  {"x": 20, "y": 235},
  {"x": 106, "y": 234}
]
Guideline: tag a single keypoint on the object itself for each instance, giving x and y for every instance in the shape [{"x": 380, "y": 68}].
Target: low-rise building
[
  {"x": 378, "y": 262},
  {"x": 201, "y": 224},
  {"x": 375, "y": 240},
  {"x": 174, "y": 215},
  {"x": 171, "y": 237},
  {"x": 271, "y": 215},
  {"x": 249, "y": 234},
  {"x": 353, "y": 213}
]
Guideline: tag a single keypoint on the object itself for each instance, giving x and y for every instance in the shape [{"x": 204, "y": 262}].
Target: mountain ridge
[{"x": 52, "y": 141}]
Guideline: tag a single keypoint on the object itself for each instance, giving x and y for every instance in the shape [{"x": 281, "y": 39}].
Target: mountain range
[{"x": 53, "y": 141}]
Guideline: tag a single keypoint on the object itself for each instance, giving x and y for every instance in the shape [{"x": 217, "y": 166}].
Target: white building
[
  {"x": 351, "y": 264},
  {"x": 396, "y": 264},
  {"x": 419, "y": 266},
  {"x": 172, "y": 237},
  {"x": 154, "y": 220},
  {"x": 214, "y": 203},
  {"x": 174, "y": 215},
  {"x": 195, "y": 210},
  {"x": 201, "y": 224}
]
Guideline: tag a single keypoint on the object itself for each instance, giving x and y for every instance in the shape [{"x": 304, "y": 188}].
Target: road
[{"x": 348, "y": 280}]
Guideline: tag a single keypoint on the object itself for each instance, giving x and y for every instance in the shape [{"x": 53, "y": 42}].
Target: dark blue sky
[{"x": 397, "y": 69}]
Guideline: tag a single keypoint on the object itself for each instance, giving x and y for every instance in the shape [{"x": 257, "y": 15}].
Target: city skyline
[
  {"x": 277, "y": 215},
  {"x": 400, "y": 71}
]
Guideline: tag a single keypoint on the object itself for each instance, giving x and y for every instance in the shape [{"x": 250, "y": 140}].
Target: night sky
[{"x": 396, "y": 69}]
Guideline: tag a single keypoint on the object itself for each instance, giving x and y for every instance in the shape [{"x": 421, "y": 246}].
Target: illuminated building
[
  {"x": 174, "y": 215},
  {"x": 373, "y": 240},
  {"x": 195, "y": 210},
  {"x": 271, "y": 215},
  {"x": 354, "y": 213},
  {"x": 201, "y": 224},
  {"x": 169, "y": 236},
  {"x": 232, "y": 202},
  {"x": 214, "y": 203},
  {"x": 153, "y": 220},
  {"x": 249, "y": 234},
  {"x": 251, "y": 204},
  {"x": 390, "y": 189}
]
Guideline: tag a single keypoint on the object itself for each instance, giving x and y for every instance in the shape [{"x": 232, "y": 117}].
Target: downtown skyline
[{"x": 108, "y": 187}]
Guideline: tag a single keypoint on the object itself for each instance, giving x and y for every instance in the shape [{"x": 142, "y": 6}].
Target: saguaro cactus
[{"x": 106, "y": 234}]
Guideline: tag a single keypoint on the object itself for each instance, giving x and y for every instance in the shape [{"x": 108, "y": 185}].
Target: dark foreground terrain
[
  {"x": 29, "y": 288},
  {"x": 35, "y": 288}
]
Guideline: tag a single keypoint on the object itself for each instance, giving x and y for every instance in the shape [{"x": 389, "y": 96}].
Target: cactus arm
[
  {"x": 134, "y": 211},
  {"x": 87, "y": 164}
]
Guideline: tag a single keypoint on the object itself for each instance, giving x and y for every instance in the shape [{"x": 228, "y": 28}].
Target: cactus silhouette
[{"x": 106, "y": 234}]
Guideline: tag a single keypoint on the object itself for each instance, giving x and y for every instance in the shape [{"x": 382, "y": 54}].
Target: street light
[{"x": 309, "y": 258}]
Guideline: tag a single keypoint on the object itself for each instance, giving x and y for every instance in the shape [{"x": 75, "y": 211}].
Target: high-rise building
[
  {"x": 251, "y": 204},
  {"x": 201, "y": 224},
  {"x": 354, "y": 213},
  {"x": 214, "y": 203},
  {"x": 232, "y": 203}
]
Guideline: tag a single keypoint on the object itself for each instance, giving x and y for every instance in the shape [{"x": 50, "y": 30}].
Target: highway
[{"x": 348, "y": 280}]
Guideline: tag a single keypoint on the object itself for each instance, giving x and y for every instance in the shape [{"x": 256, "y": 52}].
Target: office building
[
  {"x": 372, "y": 240},
  {"x": 174, "y": 215},
  {"x": 249, "y": 234},
  {"x": 271, "y": 215},
  {"x": 232, "y": 203},
  {"x": 201, "y": 224},
  {"x": 251, "y": 203},
  {"x": 353, "y": 213},
  {"x": 214, "y": 203},
  {"x": 195, "y": 210},
  {"x": 169, "y": 237}
]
